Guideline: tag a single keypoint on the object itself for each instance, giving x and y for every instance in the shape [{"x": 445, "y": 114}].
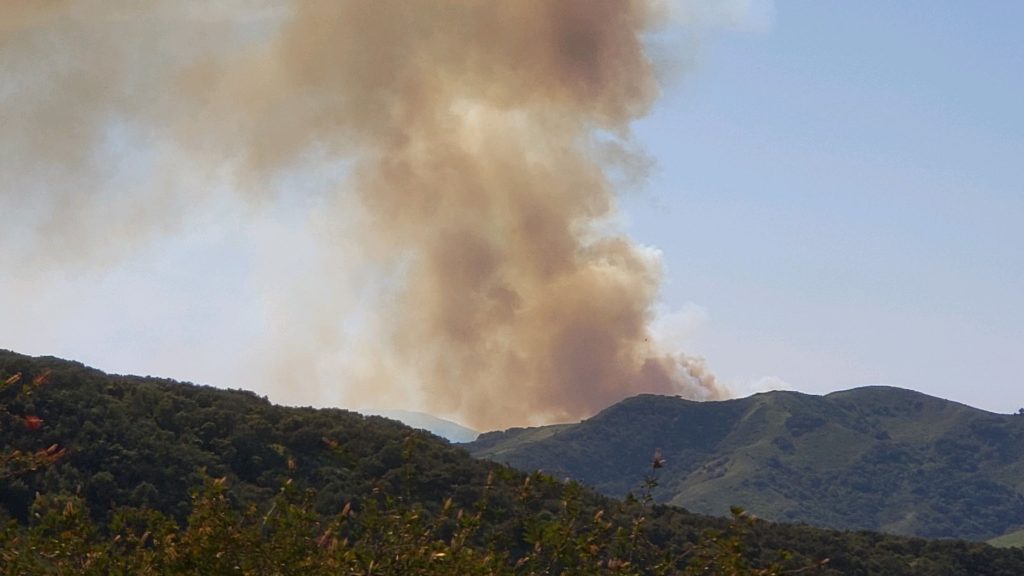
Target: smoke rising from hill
[{"x": 478, "y": 139}]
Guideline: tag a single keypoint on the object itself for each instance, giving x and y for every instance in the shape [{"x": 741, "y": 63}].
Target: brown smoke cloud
[{"x": 478, "y": 136}]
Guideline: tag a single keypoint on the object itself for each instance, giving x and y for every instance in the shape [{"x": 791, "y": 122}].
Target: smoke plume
[{"x": 475, "y": 144}]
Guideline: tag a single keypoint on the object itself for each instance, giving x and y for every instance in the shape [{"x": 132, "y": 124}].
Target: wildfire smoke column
[{"x": 479, "y": 136}]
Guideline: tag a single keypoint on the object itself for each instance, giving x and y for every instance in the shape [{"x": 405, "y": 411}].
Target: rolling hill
[
  {"x": 875, "y": 458},
  {"x": 151, "y": 445},
  {"x": 1011, "y": 540}
]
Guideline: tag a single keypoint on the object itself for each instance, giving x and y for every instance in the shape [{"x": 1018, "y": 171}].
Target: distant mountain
[
  {"x": 875, "y": 458},
  {"x": 438, "y": 426}
]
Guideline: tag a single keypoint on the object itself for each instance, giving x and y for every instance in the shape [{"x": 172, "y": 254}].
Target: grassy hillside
[
  {"x": 874, "y": 458},
  {"x": 1012, "y": 540},
  {"x": 151, "y": 444}
]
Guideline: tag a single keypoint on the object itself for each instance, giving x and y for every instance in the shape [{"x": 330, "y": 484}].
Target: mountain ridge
[
  {"x": 451, "y": 431},
  {"x": 148, "y": 443},
  {"x": 876, "y": 457}
]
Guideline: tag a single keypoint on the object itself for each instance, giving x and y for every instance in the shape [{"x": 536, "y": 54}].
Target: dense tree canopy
[{"x": 163, "y": 477}]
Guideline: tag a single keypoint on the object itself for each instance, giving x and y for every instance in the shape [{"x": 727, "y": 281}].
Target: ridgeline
[
  {"x": 227, "y": 469},
  {"x": 874, "y": 458}
]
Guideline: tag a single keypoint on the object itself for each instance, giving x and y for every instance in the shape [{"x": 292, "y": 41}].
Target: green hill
[
  {"x": 875, "y": 458},
  {"x": 1012, "y": 540},
  {"x": 142, "y": 442},
  {"x": 152, "y": 443}
]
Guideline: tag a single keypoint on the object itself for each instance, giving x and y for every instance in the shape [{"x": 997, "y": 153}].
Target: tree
[{"x": 14, "y": 462}]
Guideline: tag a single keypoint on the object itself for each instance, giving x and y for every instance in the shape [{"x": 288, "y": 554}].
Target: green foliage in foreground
[
  {"x": 383, "y": 536},
  {"x": 127, "y": 489}
]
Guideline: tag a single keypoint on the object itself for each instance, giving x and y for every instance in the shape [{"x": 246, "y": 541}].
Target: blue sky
[
  {"x": 841, "y": 193},
  {"x": 838, "y": 194}
]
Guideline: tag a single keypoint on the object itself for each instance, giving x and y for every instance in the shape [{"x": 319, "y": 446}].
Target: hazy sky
[{"x": 837, "y": 194}]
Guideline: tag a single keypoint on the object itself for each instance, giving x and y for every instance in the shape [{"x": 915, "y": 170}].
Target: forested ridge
[{"x": 157, "y": 476}]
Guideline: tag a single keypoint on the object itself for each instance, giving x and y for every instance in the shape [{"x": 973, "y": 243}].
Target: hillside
[
  {"x": 142, "y": 442},
  {"x": 875, "y": 458},
  {"x": 152, "y": 443},
  {"x": 1012, "y": 540}
]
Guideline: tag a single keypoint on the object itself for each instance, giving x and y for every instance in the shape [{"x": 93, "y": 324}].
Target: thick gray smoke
[{"x": 476, "y": 195}]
